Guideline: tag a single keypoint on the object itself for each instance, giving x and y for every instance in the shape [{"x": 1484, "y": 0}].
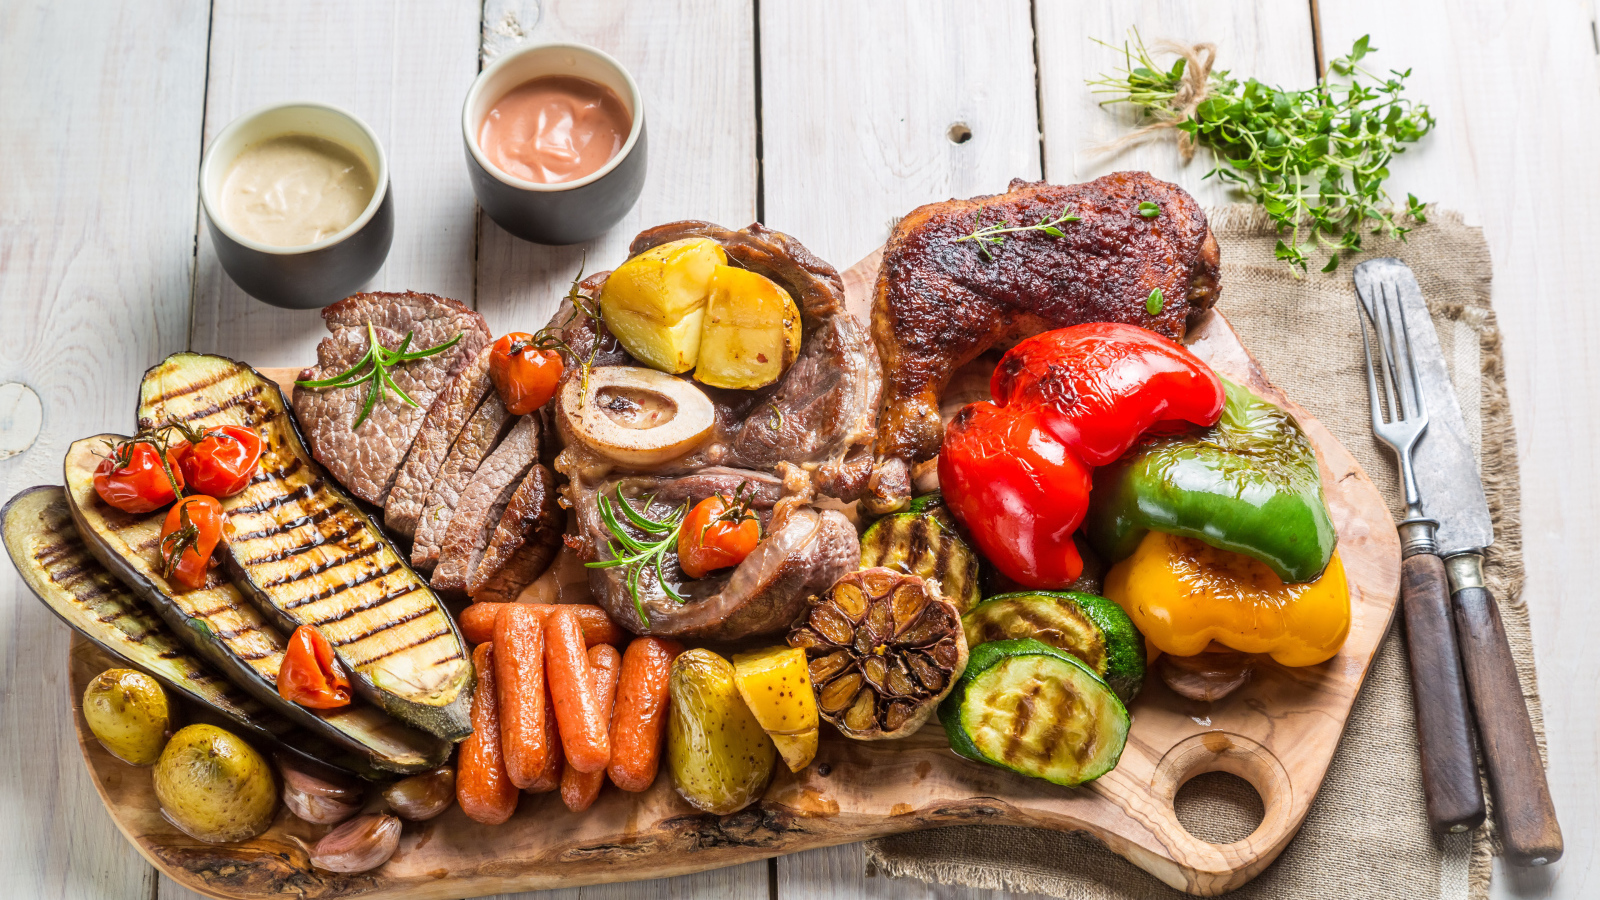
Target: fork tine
[
  {"x": 1384, "y": 329},
  {"x": 1400, "y": 363},
  {"x": 1418, "y": 402},
  {"x": 1372, "y": 377}
]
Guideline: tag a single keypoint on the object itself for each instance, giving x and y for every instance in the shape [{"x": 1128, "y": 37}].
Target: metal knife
[{"x": 1451, "y": 486}]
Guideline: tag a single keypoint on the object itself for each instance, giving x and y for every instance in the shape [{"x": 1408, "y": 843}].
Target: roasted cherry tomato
[
  {"x": 220, "y": 462},
  {"x": 716, "y": 534},
  {"x": 188, "y": 537},
  {"x": 309, "y": 676},
  {"x": 525, "y": 376},
  {"x": 133, "y": 479}
]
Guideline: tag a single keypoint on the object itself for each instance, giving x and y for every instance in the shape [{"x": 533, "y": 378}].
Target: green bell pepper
[{"x": 1248, "y": 484}]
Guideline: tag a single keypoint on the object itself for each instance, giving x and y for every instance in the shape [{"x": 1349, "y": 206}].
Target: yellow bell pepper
[{"x": 1183, "y": 594}]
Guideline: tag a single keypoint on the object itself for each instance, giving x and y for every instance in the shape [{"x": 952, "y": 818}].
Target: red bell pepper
[{"x": 1017, "y": 471}]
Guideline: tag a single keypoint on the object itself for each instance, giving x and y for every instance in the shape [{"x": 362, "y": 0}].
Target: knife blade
[{"x": 1451, "y": 486}]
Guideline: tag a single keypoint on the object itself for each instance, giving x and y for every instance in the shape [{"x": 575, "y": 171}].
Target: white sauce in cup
[{"x": 295, "y": 190}]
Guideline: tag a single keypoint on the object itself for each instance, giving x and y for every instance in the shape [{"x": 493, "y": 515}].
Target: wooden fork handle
[
  {"x": 1444, "y": 728},
  {"x": 1522, "y": 807}
]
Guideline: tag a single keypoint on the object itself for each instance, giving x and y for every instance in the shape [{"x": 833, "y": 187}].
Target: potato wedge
[
  {"x": 751, "y": 332},
  {"x": 776, "y": 685},
  {"x": 719, "y": 756},
  {"x": 655, "y": 302}
]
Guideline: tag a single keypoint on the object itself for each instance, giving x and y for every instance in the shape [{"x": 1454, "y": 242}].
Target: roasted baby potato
[
  {"x": 655, "y": 302},
  {"x": 717, "y": 753},
  {"x": 751, "y": 332},
  {"x": 214, "y": 786},
  {"x": 776, "y": 685},
  {"x": 128, "y": 712}
]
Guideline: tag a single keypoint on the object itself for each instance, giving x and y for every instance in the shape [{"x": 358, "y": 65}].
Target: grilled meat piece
[
  {"x": 483, "y": 504},
  {"x": 941, "y": 301},
  {"x": 804, "y": 551},
  {"x": 523, "y": 544},
  {"x": 415, "y": 480},
  {"x": 472, "y": 446},
  {"x": 366, "y": 459}
]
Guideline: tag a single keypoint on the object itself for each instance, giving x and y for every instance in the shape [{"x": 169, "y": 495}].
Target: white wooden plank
[
  {"x": 859, "y": 101},
  {"x": 100, "y": 112},
  {"x": 694, "y": 63},
  {"x": 1268, "y": 39},
  {"x": 403, "y": 68},
  {"x": 1514, "y": 88}
]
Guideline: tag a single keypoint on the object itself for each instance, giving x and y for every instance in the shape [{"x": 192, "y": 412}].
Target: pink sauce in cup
[{"x": 554, "y": 129}]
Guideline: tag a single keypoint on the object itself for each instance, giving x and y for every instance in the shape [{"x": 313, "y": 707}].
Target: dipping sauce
[
  {"x": 554, "y": 129},
  {"x": 295, "y": 190}
]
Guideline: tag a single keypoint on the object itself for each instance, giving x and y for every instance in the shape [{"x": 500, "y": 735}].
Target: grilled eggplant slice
[
  {"x": 305, "y": 554},
  {"x": 52, "y": 559},
  {"x": 223, "y": 627}
]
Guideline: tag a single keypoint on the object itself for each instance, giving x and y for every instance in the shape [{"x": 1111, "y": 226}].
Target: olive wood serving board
[{"x": 1277, "y": 732}]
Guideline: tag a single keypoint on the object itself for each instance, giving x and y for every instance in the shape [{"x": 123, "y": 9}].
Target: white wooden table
[{"x": 823, "y": 119}]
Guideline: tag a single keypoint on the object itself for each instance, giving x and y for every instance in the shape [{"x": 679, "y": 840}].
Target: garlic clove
[
  {"x": 422, "y": 796},
  {"x": 359, "y": 845},
  {"x": 321, "y": 797}
]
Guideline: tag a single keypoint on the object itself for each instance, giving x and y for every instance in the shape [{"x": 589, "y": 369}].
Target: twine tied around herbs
[{"x": 1192, "y": 91}]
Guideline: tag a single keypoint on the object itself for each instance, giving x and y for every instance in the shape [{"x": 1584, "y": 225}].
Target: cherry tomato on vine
[
  {"x": 133, "y": 479},
  {"x": 716, "y": 534},
  {"x": 188, "y": 538},
  {"x": 309, "y": 676},
  {"x": 525, "y": 375},
  {"x": 222, "y": 462}
]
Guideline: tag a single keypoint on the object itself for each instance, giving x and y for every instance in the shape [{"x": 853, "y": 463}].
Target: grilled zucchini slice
[
  {"x": 225, "y": 629},
  {"x": 53, "y": 561},
  {"x": 307, "y": 555},
  {"x": 1036, "y": 710},
  {"x": 1092, "y": 628},
  {"x": 925, "y": 542}
]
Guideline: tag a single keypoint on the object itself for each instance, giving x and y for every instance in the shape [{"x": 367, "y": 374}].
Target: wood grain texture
[
  {"x": 1279, "y": 732},
  {"x": 1514, "y": 87},
  {"x": 863, "y": 97},
  {"x": 403, "y": 68},
  {"x": 694, "y": 63},
  {"x": 97, "y": 204},
  {"x": 1267, "y": 39}
]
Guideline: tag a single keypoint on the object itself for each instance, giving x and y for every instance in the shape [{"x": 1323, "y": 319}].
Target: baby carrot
[
  {"x": 583, "y": 727},
  {"x": 556, "y": 762},
  {"x": 519, "y": 689},
  {"x": 579, "y": 789},
  {"x": 477, "y": 622},
  {"x": 639, "y": 715},
  {"x": 485, "y": 793}
]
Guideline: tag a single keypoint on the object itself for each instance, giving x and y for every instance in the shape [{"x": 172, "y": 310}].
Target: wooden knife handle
[
  {"x": 1444, "y": 730},
  {"x": 1522, "y": 808}
]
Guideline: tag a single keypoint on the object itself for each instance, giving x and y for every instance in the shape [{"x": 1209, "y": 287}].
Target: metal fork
[{"x": 1444, "y": 729}]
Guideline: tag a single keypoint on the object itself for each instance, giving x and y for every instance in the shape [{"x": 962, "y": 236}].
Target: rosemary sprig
[
  {"x": 994, "y": 235},
  {"x": 637, "y": 555},
  {"x": 376, "y": 364},
  {"x": 1315, "y": 160},
  {"x": 777, "y": 415}
]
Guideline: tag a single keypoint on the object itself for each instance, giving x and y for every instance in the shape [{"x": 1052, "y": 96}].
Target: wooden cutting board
[{"x": 1278, "y": 732}]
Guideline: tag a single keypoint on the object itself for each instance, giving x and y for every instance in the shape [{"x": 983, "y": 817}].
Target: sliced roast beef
[
  {"x": 523, "y": 543},
  {"x": 472, "y": 446},
  {"x": 365, "y": 459},
  {"x": 415, "y": 480},
  {"x": 483, "y": 504},
  {"x": 803, "y": 551}
]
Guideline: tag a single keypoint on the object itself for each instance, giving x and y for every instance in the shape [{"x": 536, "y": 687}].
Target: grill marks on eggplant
[{"x": 306, "y": 554}]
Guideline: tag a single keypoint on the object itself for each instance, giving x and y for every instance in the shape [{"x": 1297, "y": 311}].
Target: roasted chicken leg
[{"x": 941, "y": 300}]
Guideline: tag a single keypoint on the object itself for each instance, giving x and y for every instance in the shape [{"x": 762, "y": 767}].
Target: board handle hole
[{"x": 1219, "y": 807}]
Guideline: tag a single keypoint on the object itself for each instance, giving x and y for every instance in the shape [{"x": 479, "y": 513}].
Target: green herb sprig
[
  {"x": 637, "y": 555},
  {"x": 376, "y": 364},
  {"x": 1315, "y": 160},
  {"x": 994, "y": 235}
]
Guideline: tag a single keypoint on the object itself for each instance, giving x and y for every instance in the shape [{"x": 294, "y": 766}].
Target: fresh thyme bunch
[{"x": 1316, "y": 159}]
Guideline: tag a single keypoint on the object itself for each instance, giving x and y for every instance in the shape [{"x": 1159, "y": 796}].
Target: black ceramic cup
[
  {"x": 313, "y": 275},
  {"x": 570, "y": 211}
]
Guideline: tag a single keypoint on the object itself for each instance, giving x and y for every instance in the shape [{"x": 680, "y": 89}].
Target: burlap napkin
[{"x": 1366, "y": 834}]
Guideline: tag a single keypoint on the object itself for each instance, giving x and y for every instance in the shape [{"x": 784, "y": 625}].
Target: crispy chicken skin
[{"x": 941, "y": 301}]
